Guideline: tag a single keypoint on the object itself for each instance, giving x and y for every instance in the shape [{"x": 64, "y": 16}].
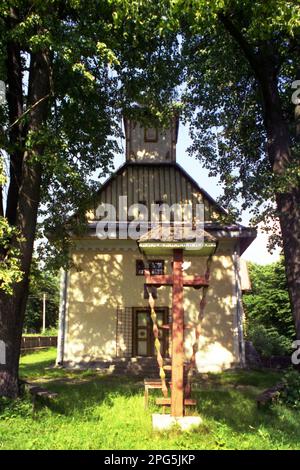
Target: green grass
[{"x": 95, "y": 411}]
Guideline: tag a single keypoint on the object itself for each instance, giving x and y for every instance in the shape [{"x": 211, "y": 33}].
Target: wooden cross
[{"x": 178, "y": 281}]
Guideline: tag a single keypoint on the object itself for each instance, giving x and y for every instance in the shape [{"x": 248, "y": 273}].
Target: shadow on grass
[
  {"x": 237, "y": 410},
  {"x": 80, "y": 398},
  {"x": 261, "y": 379},
  {"x": 226, "y": 401},
  {"x": 79, "y": 391}
]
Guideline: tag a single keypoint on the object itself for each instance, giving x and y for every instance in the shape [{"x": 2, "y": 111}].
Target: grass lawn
[{"x": 94, "y": 411}]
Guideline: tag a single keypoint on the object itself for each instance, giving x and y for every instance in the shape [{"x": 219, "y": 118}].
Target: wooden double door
[{"x": 143, "y": 338}]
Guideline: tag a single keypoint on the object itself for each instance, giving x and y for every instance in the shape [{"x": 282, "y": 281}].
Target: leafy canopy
[
  {"x": 222, "y": 97},
  {"x": 10, "y": 271},
  {"x": 106, "y": 55}
]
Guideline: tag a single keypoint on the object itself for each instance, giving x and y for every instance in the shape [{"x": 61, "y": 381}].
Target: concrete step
[
  {"x": 144, "y": 367},
  {"x": 139, "y": 366}
]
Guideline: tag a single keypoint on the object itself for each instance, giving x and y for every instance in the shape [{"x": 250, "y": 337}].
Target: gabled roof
[
  {"x": 160, "y": 178},
  {"x": 150, "y": 182}
]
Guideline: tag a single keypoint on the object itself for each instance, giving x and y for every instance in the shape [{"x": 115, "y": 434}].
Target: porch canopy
[{"x": 163, "y": 239}]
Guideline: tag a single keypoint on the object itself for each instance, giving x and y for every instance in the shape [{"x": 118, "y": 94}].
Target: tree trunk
[
  {"x": 15, "y": 110},
  {"x": 11, "y": 333},
  {"x": 289, "y": 215},
  {"x": 288, "y": 201},
  {"x": 265, "y": 67},
  {"x": 12, "y": 308}
]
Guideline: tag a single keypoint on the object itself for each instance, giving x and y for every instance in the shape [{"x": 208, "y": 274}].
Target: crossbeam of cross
[{"x": 177, "y": 280}]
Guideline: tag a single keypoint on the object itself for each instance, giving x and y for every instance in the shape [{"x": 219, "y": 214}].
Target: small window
[
  {"x": 139, "y": 267},
  {"x": 150, "y": 134},
  {"x": 156, "y": 267}
]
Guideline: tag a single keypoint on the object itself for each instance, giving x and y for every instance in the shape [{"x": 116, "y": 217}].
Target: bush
[
  {"x": 290, "y": 396},
  {"x": 50, "y": 332},
  {"x": 269, "y": 322},
  {"x": 267, "y": 341},
  {"x": 268, "y": 303},
  {"x": 10, "y": 408}
]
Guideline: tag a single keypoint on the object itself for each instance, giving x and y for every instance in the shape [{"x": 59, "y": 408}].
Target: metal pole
[{"x": 44, "y": 313}]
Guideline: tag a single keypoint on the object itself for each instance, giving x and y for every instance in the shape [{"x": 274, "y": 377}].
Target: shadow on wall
[
  {"x": 102, "y": 282},
  {"x": 218, "y": 342},
  {"x": 96, "y": 289}
]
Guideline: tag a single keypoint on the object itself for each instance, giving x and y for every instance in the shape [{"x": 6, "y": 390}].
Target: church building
[{"x": 104, "y": 309}]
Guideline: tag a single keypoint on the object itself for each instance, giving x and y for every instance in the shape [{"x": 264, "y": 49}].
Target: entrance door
[{"x": 143, "y": 338}]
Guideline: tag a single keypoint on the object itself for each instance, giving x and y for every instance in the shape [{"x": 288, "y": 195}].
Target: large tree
[
  {"x": 68, "y": 66},
  {"x": 241, "y": 63}
]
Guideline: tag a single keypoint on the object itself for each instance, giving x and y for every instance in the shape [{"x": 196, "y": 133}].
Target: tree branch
[
  {"x": 15, "y": 110},
  {"x": 28, "y": 110},
  {"x": 241, "y": 40}
]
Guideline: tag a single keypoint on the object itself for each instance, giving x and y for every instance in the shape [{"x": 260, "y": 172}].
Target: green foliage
[
  {"x": 290, "y": 396},
  {"x": 105, "y": 56},
  {"x": 268, "y": 303},
  {"x": 10, "y": 271},
  {"x": 269, "y": 322},
  {"x": 42, "y": 282},
  {"x": 223, "y": 98},
  {"x": 50, "y": 331},
  {"x": 268, "y": 341},
  {"x": 20, "y": 408}
]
